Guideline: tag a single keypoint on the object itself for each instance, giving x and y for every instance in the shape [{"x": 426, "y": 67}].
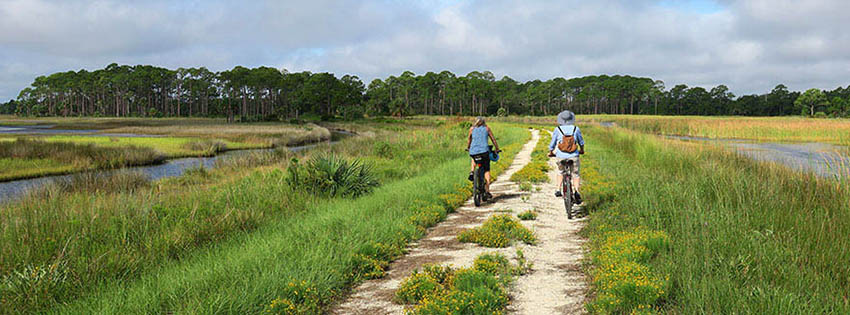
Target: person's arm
[
  {"x": 493, "y": 138},
  {"x": 469, "y": 139},
  {"x": 553, "y": 143},
  {"x": 580, "y": 141}
]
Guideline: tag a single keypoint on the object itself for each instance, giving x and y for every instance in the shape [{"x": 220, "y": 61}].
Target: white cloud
[{"x": 748, "y": 45}]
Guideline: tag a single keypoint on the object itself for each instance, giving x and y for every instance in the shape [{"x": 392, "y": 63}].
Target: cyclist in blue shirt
[
  {"x": 567, "y": 125},
  {"x": 479, "y": 150}
]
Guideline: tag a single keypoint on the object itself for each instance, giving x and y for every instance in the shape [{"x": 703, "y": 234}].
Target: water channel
[
  {"x": 823, "y": 159},
  {"x": 171, "y": 168}
]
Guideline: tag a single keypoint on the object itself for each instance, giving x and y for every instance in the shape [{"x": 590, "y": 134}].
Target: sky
[{"x": 750, "y": 46}]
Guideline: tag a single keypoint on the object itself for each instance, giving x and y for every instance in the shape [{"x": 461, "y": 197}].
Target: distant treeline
[{"x": 265, "y": 93}]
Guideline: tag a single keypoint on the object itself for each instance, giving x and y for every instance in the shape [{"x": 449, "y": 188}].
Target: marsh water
[
  {"x": 171, "y": 168},
  {"x": 823, "y": 159}
]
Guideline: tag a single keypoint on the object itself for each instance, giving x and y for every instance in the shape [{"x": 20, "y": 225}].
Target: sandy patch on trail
[{"x": 555, "y": 284}]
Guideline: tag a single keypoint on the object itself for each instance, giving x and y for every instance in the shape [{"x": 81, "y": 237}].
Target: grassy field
[
  {"x": 685, "y": 228},
  {"x": 222, "y": 241}
]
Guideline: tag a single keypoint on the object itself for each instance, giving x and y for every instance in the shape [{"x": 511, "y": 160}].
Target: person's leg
[
  {"x": 487, "y": 181},
  {"x": 576, "y": 183},
  {"x": 471, "y": 164}
]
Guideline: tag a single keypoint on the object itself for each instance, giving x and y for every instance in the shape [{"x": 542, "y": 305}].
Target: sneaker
[
  {"x": 488, "y": 196},
  {"x": 558, "y": 193},
  {"x": 471, "y": 178},
  {"x": 578, "y": 198}
]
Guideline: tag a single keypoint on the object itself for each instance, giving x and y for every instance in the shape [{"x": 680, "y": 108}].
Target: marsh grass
[
  {"x": 18, "y": 168},
  {"x": 208, "y": 147},
  {"x": 745, "y": 236},
  {"x": 213, "y": 233},
  {"x": 36, "y": 158},
  {"x": 89, "y": 182}
]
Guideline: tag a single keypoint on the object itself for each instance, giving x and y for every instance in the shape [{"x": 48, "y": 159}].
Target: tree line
[{"x": 264, "y": 93}]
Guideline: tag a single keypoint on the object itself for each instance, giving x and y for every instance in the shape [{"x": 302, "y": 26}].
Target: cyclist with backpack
[
  {"x": 479, "y": 150},
  {"x": 567, "y": 144}
]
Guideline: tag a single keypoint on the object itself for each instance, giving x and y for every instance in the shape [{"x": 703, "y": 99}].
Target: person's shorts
[
  {"x": 562, "y": 166},
  {"x": 483, "y": 159}
]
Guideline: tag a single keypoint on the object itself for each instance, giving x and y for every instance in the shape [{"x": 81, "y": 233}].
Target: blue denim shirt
[
  {"x": 557, "y": 136},
  {"x": 479, "y": 141}
]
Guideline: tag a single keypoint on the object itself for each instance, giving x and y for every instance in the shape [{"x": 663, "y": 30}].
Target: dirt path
[{"x": 555, "y": 284}]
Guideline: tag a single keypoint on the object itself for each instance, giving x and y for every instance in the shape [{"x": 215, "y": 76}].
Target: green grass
[
  {"x": 245, "y": 274},
  {"x": 224, "y": 241},
  {"x": 744, "y": 237}
]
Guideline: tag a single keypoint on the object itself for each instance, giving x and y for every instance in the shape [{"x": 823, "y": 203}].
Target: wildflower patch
[
  {"x": 623, "y": 279},
  {"x": 498, "y": 231},
  {"x": 481, "y": 289}
]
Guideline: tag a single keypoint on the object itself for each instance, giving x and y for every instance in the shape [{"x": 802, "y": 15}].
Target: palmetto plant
[{"x": 332, "y": 176}]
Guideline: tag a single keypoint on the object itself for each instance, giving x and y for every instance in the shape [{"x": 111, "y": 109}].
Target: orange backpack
[{"x": 568, "y": 142}]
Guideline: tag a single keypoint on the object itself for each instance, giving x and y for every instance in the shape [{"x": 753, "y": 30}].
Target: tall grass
[
  {"x": 745, "y": 237},
  {"x": 55, "y": 157},
  {"x": 316, "y": 251},
  {"x": 775, "y": 129},
  {"x": 103, "y": 239}
]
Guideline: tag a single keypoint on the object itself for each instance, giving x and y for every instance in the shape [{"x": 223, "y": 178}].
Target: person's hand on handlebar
[{"x": 551, "y": 154}]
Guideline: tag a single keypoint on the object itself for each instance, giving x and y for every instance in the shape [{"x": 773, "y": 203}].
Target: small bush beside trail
[
  {"x": 333, "y": 176},
  {"x": 527, "y": 215}
]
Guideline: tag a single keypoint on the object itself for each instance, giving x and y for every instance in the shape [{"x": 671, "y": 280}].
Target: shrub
[
  {"x": 332, "y": 176},
  {"x": 498, "y": 231},
  {"x": 206, "y": 147},
  {"x": 528, "y": 215}
]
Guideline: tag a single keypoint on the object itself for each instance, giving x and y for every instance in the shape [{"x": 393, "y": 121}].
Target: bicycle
[
  {"x": 479, "y": 191},
  {"x": 567, "y": 186},
  {"x": 567, "y": 189}
]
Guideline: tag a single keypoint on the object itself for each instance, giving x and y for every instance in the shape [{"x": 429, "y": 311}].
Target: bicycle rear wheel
[
  {"x": 567, "y": 192},
  {"x": 477, "y": 187}
]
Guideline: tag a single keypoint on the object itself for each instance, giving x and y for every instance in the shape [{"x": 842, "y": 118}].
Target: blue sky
[{"x": 748, "y": 45}]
